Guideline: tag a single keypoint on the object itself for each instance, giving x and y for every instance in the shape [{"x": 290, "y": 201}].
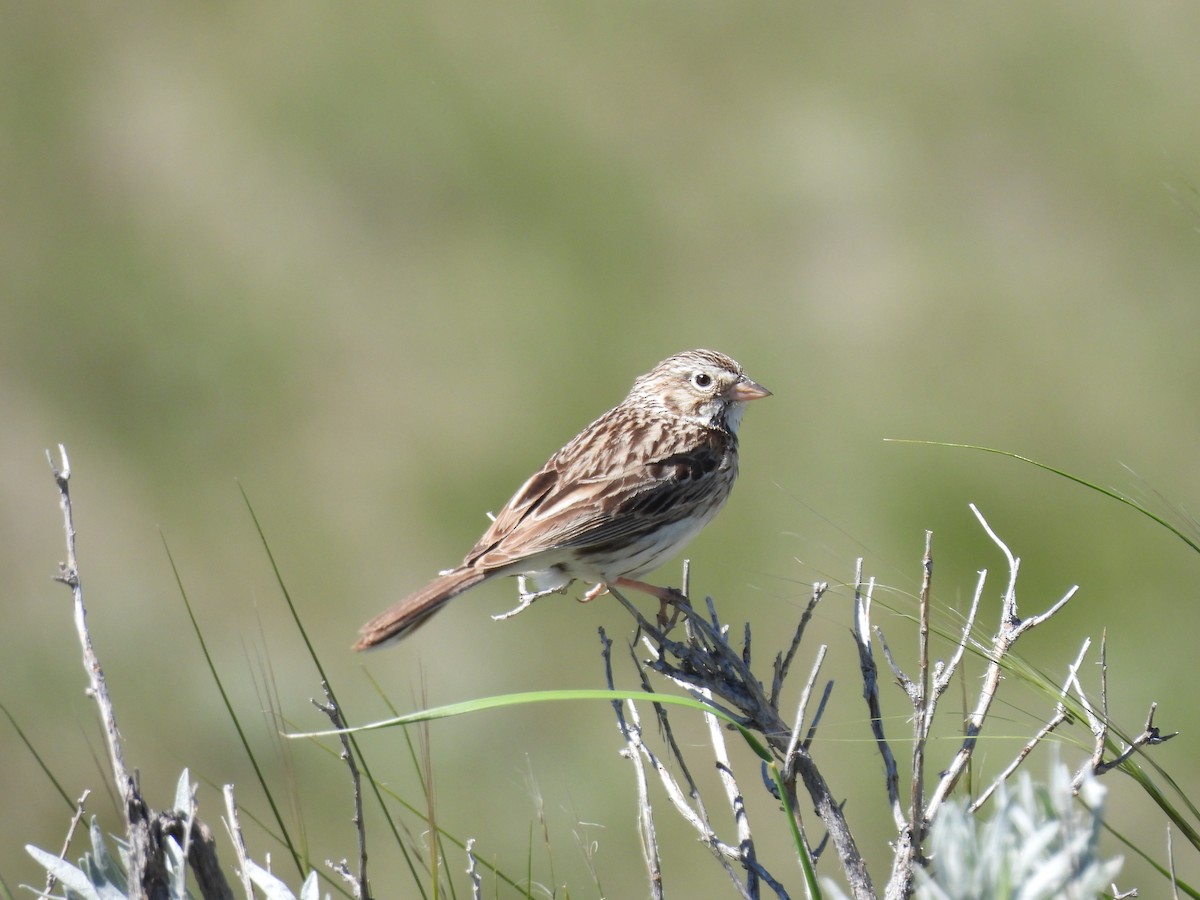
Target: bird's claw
[
  {"x": 596, "y": 590},
  {"x": 676, "y": 599}
]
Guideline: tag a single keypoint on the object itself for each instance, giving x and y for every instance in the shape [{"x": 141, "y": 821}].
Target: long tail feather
[{"x": 404, "y": 617}]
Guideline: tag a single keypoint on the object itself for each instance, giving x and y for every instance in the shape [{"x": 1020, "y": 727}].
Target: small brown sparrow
[{"x": 613, "y": 504}]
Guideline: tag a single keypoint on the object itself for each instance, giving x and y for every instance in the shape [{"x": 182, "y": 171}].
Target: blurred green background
[{"x": 376, "y": 262}]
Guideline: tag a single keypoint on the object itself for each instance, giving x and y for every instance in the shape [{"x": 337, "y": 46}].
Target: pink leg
[
  {"x": 666, "y": 597},
  {"x": 665, "y": 594}
]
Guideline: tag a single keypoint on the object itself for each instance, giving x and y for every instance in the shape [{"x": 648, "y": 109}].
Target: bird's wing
[{"x": 593, "y": 492}]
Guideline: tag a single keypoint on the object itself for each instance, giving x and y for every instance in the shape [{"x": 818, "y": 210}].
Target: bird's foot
[
  {"x": 676, "y": 600},
  {"x": 596, "y": 590}
]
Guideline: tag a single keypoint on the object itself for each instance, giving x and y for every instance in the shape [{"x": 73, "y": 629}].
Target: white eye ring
[{"x": 702, "y": 380}]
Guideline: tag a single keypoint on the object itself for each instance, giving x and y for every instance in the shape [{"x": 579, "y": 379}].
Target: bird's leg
[
  {"x": 667, "y": 596},
  {"x": 527, "y": 597}
]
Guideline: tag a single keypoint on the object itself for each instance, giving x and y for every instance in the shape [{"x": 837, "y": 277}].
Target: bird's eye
[{"x": 701, "y": 379}]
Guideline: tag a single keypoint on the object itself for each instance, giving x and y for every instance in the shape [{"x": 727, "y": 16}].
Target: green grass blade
[
  {"x": 1182, "y": 886},
  {"x": 37, "y": 758},
  {"x": 1107, "y": 492},
  {"x": 1134, "y": 770},
  {"x": 501, "y": 701},
  {"x": 316, "y": 661},
  {"x": 806, "y": 865},
  {"x": 233, "y": 716}
]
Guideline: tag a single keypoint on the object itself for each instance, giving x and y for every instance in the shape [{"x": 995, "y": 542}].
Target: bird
[{"x": 615, "y": 502}]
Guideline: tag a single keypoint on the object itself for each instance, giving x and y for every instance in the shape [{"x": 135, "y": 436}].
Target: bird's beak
[{"x": 746, "y": 390}]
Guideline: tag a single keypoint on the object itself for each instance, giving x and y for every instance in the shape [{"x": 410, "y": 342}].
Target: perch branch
[{"x": 705, "y": 661}]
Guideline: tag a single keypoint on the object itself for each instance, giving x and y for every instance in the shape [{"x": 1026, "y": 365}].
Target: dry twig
[
  {"x": 147, "y": 872},
  {"x": 706, "y": 665},
  {"x": 145, "y": 831},
  {"x": 358, "y": 883}
]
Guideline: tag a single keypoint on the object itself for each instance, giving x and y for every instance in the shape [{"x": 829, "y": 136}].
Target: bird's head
[{"x": 704, "y": 386}]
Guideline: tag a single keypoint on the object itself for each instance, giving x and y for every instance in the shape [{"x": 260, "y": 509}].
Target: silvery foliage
[
  {"x": 1039, "y": 843},
  {"x": 101, "y": 876}
]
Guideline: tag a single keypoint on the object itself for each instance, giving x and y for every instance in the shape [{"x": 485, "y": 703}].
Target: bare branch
[
  {"x": 1001, "y": 647},
  {"x": 200, "y": 849},
  {"x": 1011, "y": 628},
  {"x": 737, "y": 803},
  {"x": 98, "y": 686},
  {"x": 923, "y": 708},
  {"x": 1149, "y": 737},
  {"x": 473, "y": 871},
  {"x": 1060, "y": 715},
  {"x": 870, "y": 677},
  {"x": 697, "y": 817},
  {"x": 234, "y": 827},
  {"x": 784, "y": 662},
  {"x": 942, "y": 682},
  {"x": 705, "y": 661},
  {"x": 147, "y": 871},
  {"x": 645, "y": 813},
  {"x": 1014, "y": 564},
  {"x": 906, "y": 684},
  {"x": 816, "y": 719},
  {"x": 706, "y": 665},
  {"x": 794, "y": 741},
  {"x": 358, "y": 882},
  {"x": 51, "y": 880}
]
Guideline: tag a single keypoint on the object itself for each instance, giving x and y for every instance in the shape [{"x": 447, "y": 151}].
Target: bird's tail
[{"x": 404, "y": 617}]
